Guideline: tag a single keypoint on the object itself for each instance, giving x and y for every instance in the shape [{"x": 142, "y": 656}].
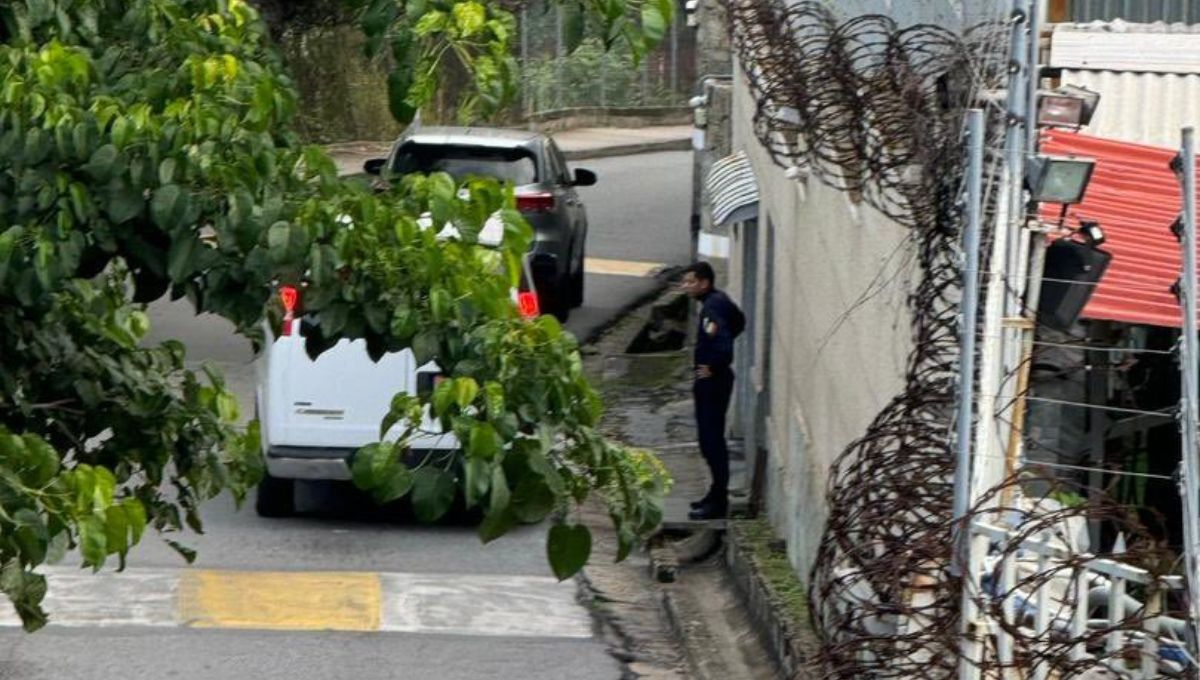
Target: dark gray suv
[{"x": 545, "y": 189}]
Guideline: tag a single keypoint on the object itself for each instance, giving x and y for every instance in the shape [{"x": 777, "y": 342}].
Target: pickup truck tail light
[
  {"x": 290, "y": 297},
  {"x": 542, "y": 201}
]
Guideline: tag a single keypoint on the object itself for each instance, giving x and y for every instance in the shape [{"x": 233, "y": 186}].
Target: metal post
[
  {"x": 967, "y": 322},
  {"x": 1190, "y": 369},
  {"x": 999, "y": 350},
  {"x": 1035, "y": 78},
  {"x": 966, "y": 380}
]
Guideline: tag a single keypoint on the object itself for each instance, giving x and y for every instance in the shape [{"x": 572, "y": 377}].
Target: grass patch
[{"x": 770, "y": 559}]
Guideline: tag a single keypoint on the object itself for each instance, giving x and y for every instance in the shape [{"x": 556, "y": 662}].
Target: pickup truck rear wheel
[{"x": 276, "y": 497}]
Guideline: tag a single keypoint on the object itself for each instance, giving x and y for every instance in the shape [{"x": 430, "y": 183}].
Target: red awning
[{"x": 1135, "y": 197}]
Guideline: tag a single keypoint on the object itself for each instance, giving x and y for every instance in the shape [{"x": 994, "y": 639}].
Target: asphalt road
[{"x": 344, "y": 591}]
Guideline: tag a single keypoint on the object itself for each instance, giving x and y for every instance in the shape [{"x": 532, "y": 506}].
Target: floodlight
[
  {"x": 1058, "y": 179},
  {"x": 1067, "y": 106}
]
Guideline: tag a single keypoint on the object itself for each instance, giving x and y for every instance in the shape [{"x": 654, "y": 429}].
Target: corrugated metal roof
[
  {"x": 1141, "y": 107},
  {"x": 1135, "y": 197},
  {"x": 733, "y": 189},
  {"x": 1122, "y": 46},
  {"x": 1135, "y": 105},
  {"x": 1145, "y": 11}
]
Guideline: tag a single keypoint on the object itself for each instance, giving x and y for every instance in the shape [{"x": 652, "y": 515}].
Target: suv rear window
[{"x": 508, "y": 165}]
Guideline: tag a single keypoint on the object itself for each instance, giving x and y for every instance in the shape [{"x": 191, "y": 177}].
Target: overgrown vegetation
[{"x": 147, "y": 149}]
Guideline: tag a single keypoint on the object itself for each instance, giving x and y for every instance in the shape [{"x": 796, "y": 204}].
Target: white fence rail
[{"x": 1074, "y": 616}]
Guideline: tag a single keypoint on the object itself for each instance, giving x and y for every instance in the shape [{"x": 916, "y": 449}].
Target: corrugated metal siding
[
  {"x": 1141, "y": 107},
  {"x": 1141, "y": 11}
]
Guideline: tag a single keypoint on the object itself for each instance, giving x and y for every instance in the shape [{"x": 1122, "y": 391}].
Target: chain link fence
[{"x": 556, "y": 79}]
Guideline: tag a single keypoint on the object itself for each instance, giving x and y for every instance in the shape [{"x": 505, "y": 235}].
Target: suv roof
[{"x": 472, "y": 136}]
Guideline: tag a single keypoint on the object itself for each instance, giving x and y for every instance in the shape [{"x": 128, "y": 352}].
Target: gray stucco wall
[{"x": 835, "y": 360}]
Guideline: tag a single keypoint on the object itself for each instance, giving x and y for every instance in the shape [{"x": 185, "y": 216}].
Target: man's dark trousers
[{"x": 712, "y": 396}]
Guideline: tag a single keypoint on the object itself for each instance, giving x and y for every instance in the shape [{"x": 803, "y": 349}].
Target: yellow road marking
[
  {"x": 596, "y": 265},
  {"x": 268, "y": 600}
]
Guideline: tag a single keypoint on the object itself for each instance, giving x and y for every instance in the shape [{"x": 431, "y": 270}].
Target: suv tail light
[
  {"x": 290, "y": 297},
  {"x": 528, "y": 303},
  {"x": 542, "y": 201}
]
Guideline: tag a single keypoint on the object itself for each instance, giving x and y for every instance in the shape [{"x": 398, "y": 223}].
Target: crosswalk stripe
[
  {"x": 451, "y": 604},
  {"x": 280, "y": 600},
  {"x": 483, "y": 605},
  {"x": 596, "y": 265}
]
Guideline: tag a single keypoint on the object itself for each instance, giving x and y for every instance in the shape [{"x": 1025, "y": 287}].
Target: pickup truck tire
[{"x": 276, "y": 497}]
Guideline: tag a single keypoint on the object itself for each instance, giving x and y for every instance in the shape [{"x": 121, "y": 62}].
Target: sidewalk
[
  {"x": 576, "y": 144},
  {"x": 690, "y": 589}
]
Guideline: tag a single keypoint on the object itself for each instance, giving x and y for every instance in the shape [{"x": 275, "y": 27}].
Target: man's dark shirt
[{"x": 714, "y": 341}]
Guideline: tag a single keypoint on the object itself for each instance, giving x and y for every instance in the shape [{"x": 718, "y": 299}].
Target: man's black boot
[{"x": 709, "y": 511}]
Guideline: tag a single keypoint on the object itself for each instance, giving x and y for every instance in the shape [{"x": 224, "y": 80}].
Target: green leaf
[
  {"x": 43, "y": 461},
  {"x": 465, "y": 391},
  {"x": 477, "y": 474},
  {"x": 167, "y": 207},
  {"x": 430, "y": 22},
  {"x": 495, "y": 525},
  {"x": 432, "y": 493},
  {"x": 533, "y": 500},
  {"x": 124, "y": 202},
  {"x": 398, "y": 483},
  {"x": 135, "y": 516},
  {"x": 501, "y": 496},
  {"x": 469, "y": 17},
  {"x": 372, "y": 464},
  {"x": 116, "y": 530},
  {"x": 187, "y": 553},
  {"x": 568, "y": 548},
  {"x": 93, "y": 541},
  {"x": 287, "y": 243},
  {"x": 443, "y": 397},
  {"x": 425, "y": 346},
  {"x": 166, "y": 171},
  {"x": 399, "y": 84},
  {"x": 101, "y": 166},
  {"x": 485, "y": 442},
  {"x": 181, "y": 258},
  {"x": 227, "y": 407},
  {"x": 440, "y": 303}
]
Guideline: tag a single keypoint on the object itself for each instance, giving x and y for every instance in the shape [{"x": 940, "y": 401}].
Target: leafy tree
[{"x": 146, "y": 149}]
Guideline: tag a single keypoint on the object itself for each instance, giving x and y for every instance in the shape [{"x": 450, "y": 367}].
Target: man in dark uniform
[{"x": 720, "y": 322}]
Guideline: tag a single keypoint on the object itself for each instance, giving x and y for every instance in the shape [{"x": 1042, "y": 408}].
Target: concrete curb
[
  {"x": 792, "y": 645},
  {"x": 629, "y": 149}
]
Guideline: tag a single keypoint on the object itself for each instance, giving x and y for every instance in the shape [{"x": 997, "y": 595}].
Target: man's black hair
[{"x": 703, "y": 271}]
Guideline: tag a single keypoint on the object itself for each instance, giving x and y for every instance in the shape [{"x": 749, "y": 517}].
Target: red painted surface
[{"x": 1135, "y": 197}]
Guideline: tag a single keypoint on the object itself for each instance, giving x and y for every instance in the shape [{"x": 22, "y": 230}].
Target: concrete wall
[{"x": 831, "y": 360}]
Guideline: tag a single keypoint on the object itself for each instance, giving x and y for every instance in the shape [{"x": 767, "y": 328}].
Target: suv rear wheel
[
  {"x": 577, "y": 282},
  {"x": 276, "y": 497}
]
